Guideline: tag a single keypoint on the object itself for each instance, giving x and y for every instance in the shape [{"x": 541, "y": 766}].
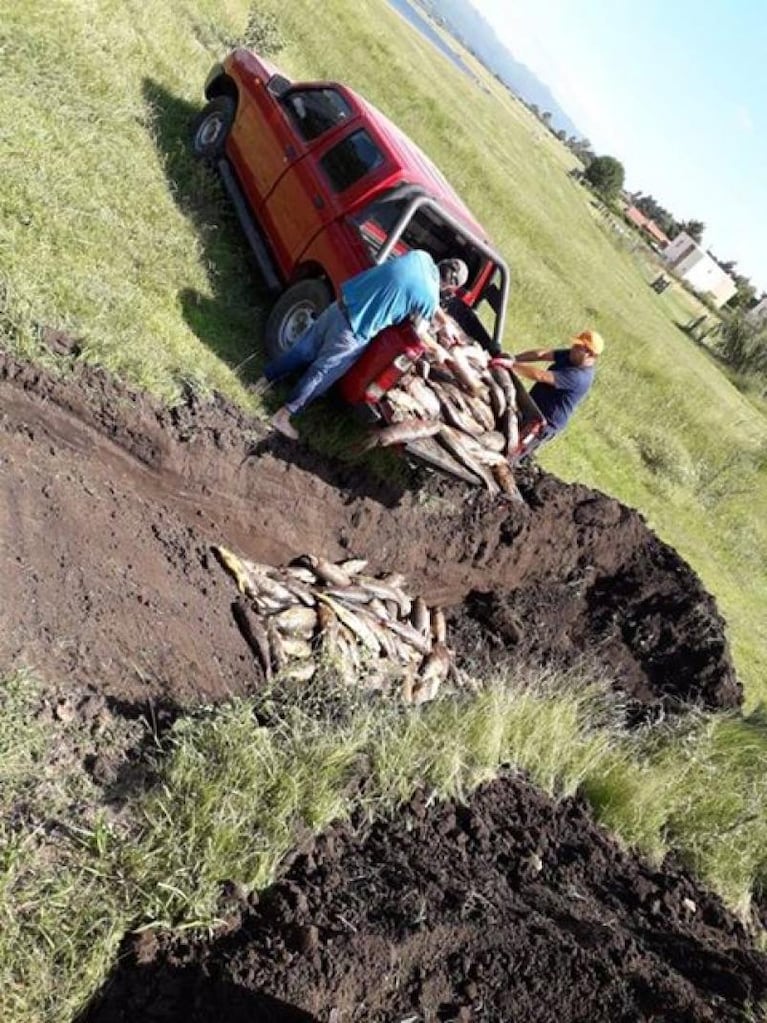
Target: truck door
[
  {"x": 265, "y": 141},
  {"x": 315, "y": 190}
]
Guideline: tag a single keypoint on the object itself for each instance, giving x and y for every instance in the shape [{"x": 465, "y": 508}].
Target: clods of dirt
[
  {"x": 512, "y": 907},
  {"x": 109, "y": 506}
]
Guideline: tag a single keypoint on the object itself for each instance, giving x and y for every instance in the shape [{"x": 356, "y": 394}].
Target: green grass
[{"x": 229, "y": 797}]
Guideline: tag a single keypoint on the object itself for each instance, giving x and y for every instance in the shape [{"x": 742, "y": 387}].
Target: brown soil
[
  {"x": 513, "y": 908},
  {"x": 110, "y": 505}
]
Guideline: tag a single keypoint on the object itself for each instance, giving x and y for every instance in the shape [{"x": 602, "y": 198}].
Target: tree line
[{"x": 606, "y": 175}]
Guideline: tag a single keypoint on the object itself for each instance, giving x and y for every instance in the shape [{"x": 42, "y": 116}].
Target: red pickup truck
[{"x": 326, "y": 186}]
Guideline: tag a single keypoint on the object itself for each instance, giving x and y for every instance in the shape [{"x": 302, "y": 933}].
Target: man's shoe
[{"x": 281, "y": 422}]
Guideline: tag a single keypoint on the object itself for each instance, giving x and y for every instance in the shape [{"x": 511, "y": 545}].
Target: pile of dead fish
[
  {"x": 314, "y": 612},
  {"x": 455, "y": 399}
]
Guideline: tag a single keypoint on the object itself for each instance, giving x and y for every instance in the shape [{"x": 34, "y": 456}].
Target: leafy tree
[
  {"x": 745, "y": 295},
  {"x": 694, "y": 228},
  {"x": 606, "y": 174}
]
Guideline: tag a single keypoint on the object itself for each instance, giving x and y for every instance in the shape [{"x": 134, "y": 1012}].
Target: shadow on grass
[
  {"x": 230, "y": 322},
  {"x": 166, "y": 993}
]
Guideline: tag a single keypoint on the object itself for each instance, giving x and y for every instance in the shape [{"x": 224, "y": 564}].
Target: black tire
[
  {"x": 211, "y": 127},
  {"x": 292, "y": 313}
]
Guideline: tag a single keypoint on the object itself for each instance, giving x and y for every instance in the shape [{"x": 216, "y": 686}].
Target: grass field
[{"x": 111, "y": 232}]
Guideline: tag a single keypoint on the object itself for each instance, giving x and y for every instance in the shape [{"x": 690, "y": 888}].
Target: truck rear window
[
  {"x": 351, "y": 159},
  {"x": 315, "y": 111}
]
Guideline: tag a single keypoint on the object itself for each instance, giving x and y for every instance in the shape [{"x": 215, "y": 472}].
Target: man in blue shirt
[
  {"x": 407, "y": 287},
  {"x": 563, "y": 384}
]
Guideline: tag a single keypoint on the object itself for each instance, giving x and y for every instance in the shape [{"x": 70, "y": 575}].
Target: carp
[
  {"x": 254, "y": 634},
  {"x": 497, "y": 395},
  {"x": 424, "y": 395},
  {"x": 465, "y": 373},
  {"x": 510, "y": 430},
  {"x": 505, "y": 479},
  {"x": 401, "y": 433},
  {"x": 328, "y": 572},
  {"x": 420, "y": 616},
  {"x": 297, "y": 620},
  {"x": 296, "y": 648},
  {"x": 353, "y": 622},
  {"x": 503, "y": 378},
  {"x": 493, "y": 440},
  {"x": 432, "y": 674},
  {"x": 456, "y": 447}
]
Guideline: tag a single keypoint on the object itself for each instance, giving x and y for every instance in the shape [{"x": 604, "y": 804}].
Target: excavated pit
[
  {"x": 511, "y": 908},
  {"x": 111, "y": 504}
]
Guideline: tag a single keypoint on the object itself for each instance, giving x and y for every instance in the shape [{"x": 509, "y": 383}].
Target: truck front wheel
[
  {"x": 211, "y": 127},
  {"x": 293, "y": 313}
]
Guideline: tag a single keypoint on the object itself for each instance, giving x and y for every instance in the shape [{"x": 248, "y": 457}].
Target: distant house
[
  {"x": 690, "y": 262},
  {"x": 647, "y": 225}
]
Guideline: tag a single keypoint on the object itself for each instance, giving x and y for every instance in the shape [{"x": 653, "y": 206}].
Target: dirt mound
[
  {"x": 511, "y": 908},
  {"x": 110, "y": 505}
]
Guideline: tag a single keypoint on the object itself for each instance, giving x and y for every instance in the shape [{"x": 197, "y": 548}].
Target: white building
[{"x": 689, "y": 261}]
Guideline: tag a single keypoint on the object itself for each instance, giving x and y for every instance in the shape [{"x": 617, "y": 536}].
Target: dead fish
[
  {"x": 421, "y": 643},
  {"x": 406, "y": 691},
  {"x": 456, "y": 447},
  {"x": 353, "y": 566},
  {"x": 425, "y": 396},
  {"x": 505, "y": 479},
  {"x": 459, "y": 420},
  {"x": 420, "y": 616},
  {"x": 301, "y": 574},
  {"x": 329, "y": 572},
  {"x": 302, "y": 593},
  {"x": 464, "y": 371},
  {"x": 407, "y": 402},
  {"x": 301, "y": 672},
  {"x": 438, "y": 625},
  {"x": 394, "y": 579},
  {"x": 482, "y": 412},
  {"x": 484, "y": 455},
  {"x": 276, "y": 647},
  {"x": 296, "y": 620},
  {"x": 235, "y": 567},
  {"x": 254, "y": 634},
  {"x": 497, "y": 396},
  {"x": 268, "y": 587},
  {"x": 503, "y": 378},
  {"x": 477, "y": 355},
  {"x": 266, "y": 606},
  {"x": 401, "y": 433},
  {"x": 385, "y": 591},
  {"x": 353, "y": 622},
  {"x": 296, "y": 648},
  {"x": 432, "y": 674},
  {"x": 352, "y": 594},
  {"x": 493, "y": 440},
  {"x": 510, "y": 430}
]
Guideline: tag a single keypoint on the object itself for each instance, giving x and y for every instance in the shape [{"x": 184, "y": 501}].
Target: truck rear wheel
[
  {"x": 293, "y": 313},
  {"x": 211, "y": 127}
]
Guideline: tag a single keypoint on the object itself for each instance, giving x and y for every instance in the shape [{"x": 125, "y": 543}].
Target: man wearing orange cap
[{"x": 564, "y": 383}]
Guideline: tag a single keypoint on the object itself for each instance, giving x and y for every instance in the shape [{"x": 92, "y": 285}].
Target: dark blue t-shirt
[{"x": 571, "y": 384}]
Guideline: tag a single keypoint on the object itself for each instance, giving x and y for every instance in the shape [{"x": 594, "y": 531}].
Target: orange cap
[{"x": 589, "y": 339}]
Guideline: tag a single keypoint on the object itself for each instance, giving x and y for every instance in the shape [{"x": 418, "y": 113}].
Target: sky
[{"x": 675, "y": 89}]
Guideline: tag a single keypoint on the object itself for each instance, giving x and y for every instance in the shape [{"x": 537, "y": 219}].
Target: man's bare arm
[
  {"x": 541, "y": 376},
  {"x": 535, "y": 355}
]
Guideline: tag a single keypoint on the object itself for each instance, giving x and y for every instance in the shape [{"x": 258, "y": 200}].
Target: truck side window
[
  {"x": 315, "y": 111},
  {"x": 350, "y": 160}
]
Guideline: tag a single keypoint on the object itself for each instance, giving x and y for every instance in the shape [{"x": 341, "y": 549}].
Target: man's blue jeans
[{"x": 326, "y": 350}]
